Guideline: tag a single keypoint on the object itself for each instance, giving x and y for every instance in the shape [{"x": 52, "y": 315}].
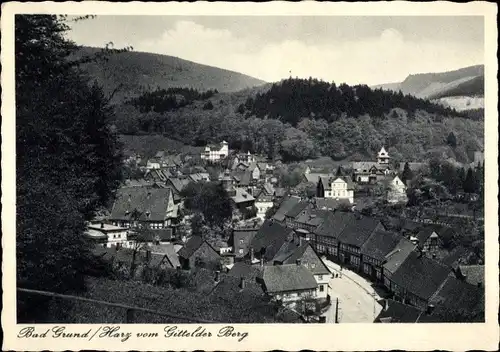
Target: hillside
[
  {"x": 136, "y": 72},
  {"x": 353, "y": 126}
]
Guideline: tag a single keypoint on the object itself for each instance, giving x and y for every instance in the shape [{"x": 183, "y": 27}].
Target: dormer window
[{"x": 148, "y": 214}]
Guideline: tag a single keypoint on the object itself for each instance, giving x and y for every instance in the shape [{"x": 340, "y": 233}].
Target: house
[
  {"x": 255, "y": 171},
  {"x": 108, "y": 235},
  {"x": 383, "y": 157},
  {"x": 295, "y": 211},
  {"x": 431, "y": 238},
  {"x": 325, "y": 239},
  {"x": 338, "y": 187},
  {"x": 240, "y": 241},
  {"x": 143, "y": 207},
  {"x": 309, "y": 219},
  {"x": 305, "y": 255},
  {"x": 177, "y": 184},
  {"x": 375, "y": 250},
  {"x": 215, "y": 152},
  {"x": 199, "y": 177},
  {"x": 417, "y": 279},
  {"x": 268, "y": 240},
  {"x": 164, "y": 256},
  {"x": 472, "y": 274},
  {"x": 331, "y": 203},
  {"x": 157, "y": 175},
  {"x": 198, "y": 253},
  {"x": 457, "y": 301},
  {"x": 244, "y": 270},
  {"x": 241, "y": 198},
  {"x": 395, "y": 189},
  {"x": 285, "y": 206},
  {"x": 369, "y": 171},
  {"x": 353, "y": 237},
  {"x": 314, "y": 177},
  {"x": 263, "y": 203},
  {"x": 289, "y": 283},
  {"x": 397, "y": 312},
  {"x": 478, "y": 159},
  {"x": 153, "y": 163}
]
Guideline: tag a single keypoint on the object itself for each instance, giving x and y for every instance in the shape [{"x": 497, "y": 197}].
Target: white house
[
  {"x": 395, "y": 190},
  {"x": 337, "y": 187},
  {"x": 153, "y": 163},
  {"x": 383, "y": 157},
  {"x": 215, "y": 152},
  {"x": 108, "y": 235},
  {"x": 263, "y": 203},
  {"x": 255, "y": 170}
]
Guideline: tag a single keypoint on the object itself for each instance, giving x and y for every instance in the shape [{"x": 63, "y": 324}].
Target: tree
[
  {"x": 271, "y": 211},
  {"x": 470, "y": 183},
  {"x": 407, "y": 173},
  {"x": 208, "y": 106},
  {"x": 451, "y": 140},
  {"x": 68, "y": 161}
]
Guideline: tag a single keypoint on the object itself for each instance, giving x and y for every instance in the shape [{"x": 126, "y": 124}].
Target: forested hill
[
  {"x": 300, "y": 119},
  {"x": 136, "y": 72},
  {"x": 294, "y": 99}
]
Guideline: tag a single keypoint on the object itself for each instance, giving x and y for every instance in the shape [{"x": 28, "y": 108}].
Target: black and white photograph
[{"x": 249, "y": 169}]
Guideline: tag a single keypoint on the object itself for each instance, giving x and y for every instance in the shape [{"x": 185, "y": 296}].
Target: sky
[{"x": 365, "y": 49}]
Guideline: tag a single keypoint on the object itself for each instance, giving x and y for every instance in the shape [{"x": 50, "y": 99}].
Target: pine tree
[
  {"x": 451, "y": 140},
  {"x": 470, "y": 185},
  {"x": 407, "y": 173}
]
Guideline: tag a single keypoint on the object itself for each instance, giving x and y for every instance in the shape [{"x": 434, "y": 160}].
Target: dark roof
[
  {"x": 190, "y": 247},
  {"x": 286, "y": 205},
  {"x": 330, "y": 203},
  {"x": 458, "y": 296},
  {"x": 270, "y": 237},
  {"x": 138, "y": 201},
  {"x": 420, "y": 275},
  {"x": 380, "y": 243},
  {"x": 168, "y": 251},
  {"x": 297, "y": 209},
  {"x": 163, "y": 235},
  {"x": 288, "y": 277},
  {"x": 474, "y": 274},
  {"x": 247, "y": 271},
  {"x": 334, "y": 223},
  {"x": 398, "y": 255},
  {"x": 178, "y": 183},
  {"x": 357, "y": 232},
  {"x": 291, "y": 254},
  {"x": 245, "y": 235},
  {"x": 397, "y": 312},
  {"x": 312, "y": 217}
]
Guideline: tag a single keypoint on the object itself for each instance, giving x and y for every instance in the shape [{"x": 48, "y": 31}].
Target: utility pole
[{"x": 337, "y": 311}]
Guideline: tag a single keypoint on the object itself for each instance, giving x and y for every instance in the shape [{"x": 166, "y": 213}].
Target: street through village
[{"x": 357, "y": 300}]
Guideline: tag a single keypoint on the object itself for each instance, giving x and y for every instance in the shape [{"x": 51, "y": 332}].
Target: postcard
[{"x": 249, "y": 176}]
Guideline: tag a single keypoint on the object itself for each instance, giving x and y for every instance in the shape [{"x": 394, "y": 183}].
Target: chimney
[
  {"x": 242, "y": 283},
  {"x": 217, "y": 276},
  {"x": 301, "y": 241},
  {"x": 430, "y": 308},
  {"x": 386, "y": 305},
  {"x": 261, "y": 262},
  {"x": 298, "y": 261},
  {"x": 102, "y": 225},
  {"x": 252, "y": 255},
  {"x": 148, "y": 256}
]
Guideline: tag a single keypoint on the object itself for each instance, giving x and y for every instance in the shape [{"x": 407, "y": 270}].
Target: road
[{"x": 357, "y": 299}]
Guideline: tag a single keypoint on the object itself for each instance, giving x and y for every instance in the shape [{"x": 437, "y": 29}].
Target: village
[{"x": 327, "y": 249}]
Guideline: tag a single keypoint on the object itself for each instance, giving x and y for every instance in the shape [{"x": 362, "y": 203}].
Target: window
[
  {"x": 240, "y": 251},
  {"x": 321, "y": 288},
  {"x": 320, "y": 277}
]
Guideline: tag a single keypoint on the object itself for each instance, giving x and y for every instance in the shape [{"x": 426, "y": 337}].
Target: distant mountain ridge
[
  {"x": 134, "y": 72},
  {"x": 465, "y": 81}
]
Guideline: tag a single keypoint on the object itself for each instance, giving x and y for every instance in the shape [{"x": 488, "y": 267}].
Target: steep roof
[
  {"x": 270, "y": 237},
  {"x": 314, "y": 177},
  {"x": 288, "y": 277},
  {"x": 397, "y": 312},
  {"x": 179, "y": 183},
  {"x": 363, "y": 166},
  {"x": 398, "y": 255},
  {"x": 330, "y": 203},
  {"x": 334, "y": 223},
  {"x": 291, "y": 253},
  {"x": 297, "y": 209},
  {"x": 247, "y": 271},
  {"x": 357, "y": 232},
  {"x": 312, "y": 217},
  {"x": 346, "y": 179},
  {"x": 380, "y": 243},
  {"x": 166, "y": 250},
  {"x": 190, "y": 247},
  {"x": 420, "y": 275},
  {"x": 286, "y": 205},
  {"x": 137, "y": 202},
  {"x": 242, "y": 196}
]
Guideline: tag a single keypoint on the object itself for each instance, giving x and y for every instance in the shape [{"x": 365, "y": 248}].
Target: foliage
[
  {"x": 271, "y": 211},
  {"x": 470, "y": 184},
  {"x": 249, "y": 213},
  {"x": 451, "y": 140},
  {"x": 210, "y": 199},
  {"x": 68, "y": 160},
  {"x": 407, "y": 173}
]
